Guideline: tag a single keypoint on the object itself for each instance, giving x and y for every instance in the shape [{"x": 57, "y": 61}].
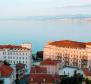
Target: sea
[{"x": 40, "y": 30}]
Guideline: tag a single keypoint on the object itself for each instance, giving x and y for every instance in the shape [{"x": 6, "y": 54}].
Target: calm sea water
[{"x": 38, "y": 32}]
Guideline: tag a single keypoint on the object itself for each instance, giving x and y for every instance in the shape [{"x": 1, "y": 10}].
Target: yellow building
[{"x": 70, "y": 53}]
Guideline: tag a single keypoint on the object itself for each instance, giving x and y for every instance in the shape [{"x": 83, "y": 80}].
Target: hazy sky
[{"x": 43, "y": 7}]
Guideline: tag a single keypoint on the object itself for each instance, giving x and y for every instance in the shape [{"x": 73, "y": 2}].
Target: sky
[{"x": 43, "y": 7}]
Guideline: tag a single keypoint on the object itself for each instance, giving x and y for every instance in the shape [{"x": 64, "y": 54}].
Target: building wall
[
  {"x": 15, "y": 56},
  {"x": 77, "y": 57},
  {"x": 88, "y": 49},
  {"x": 27, "y": 45},
  {"x": 51, "y": 69}
]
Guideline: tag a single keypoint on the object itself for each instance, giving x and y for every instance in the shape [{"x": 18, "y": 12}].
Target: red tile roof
[
  {"x": 5, "y": 70},
  {"x": 12, "y": 46},
  {"x": 37, "y": 69},
  {"x": 87, "y": 72},
  {"x": 38, "y": 78},
  {"x": 48, "y": 62},
  {"x": 89, "y": 43},
  {"x": 68, "y": 43},
  {"x": 20, "y": 65}
]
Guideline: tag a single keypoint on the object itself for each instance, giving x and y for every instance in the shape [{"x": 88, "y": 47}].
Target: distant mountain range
[{"x": 78, "y": 16}]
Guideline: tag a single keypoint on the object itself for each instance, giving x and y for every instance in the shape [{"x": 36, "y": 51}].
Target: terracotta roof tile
[
  {"x": 37, "y": 69},
  {"x": 68, "y": 43},
  {"x": 20, "y": 65},
  {"x": 12, "y": 46},
  {"x": 5, "y": 70},
  {"x": 48, "y": 62},
  {"x": 89, "y": 43},
  {"x": 38, "y": 78}
]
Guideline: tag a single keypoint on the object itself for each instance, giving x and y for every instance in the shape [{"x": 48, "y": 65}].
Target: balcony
[
  {"x": 84, "y": 63},
  {"x": 75, "y": 64}
]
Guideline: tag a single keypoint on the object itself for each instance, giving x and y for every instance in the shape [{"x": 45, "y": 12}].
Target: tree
[
  {"x": 1, "y": 82},
  {"x": 39, "y": 54},
  {"x": 6, "y": 63},
  {"x": 75, "y": 79},
  {"x": 88, "y": 81}
]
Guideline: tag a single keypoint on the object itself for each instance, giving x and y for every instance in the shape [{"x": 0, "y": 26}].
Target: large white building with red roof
[
  {"x": 15, "y": 54},
  {"x": 70, "y": 53}
]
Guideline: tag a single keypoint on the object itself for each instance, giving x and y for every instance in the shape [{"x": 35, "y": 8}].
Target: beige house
[
  {"x": 70, "y": 53},
  {"x": 52, "y": 66}
]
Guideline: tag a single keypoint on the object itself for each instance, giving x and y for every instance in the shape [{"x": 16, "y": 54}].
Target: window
[
  {"x": 22, "y": 57},
  {"x": 19, "y": 57},
  {"x": 3, "y": 53},
  {"x": 19, "y": 53},
  {"x": 23, "y": 61},
  {"x": 14, "y": 62},
  {"x": 23, "y": 53},
  {"x": 10, "y": 53},
  {"x": 4, "y": 57},
  {"x": 14, "y": 53}
]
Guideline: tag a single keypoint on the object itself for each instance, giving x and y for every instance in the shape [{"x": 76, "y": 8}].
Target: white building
[
  {"x": 70, "y": 53},
  {"x": 17, "y": 54}
]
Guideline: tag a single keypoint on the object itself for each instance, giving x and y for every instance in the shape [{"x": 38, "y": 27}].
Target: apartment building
[
  {"x": 70, "y": 53},
  {"x": 15, "y": 54}
]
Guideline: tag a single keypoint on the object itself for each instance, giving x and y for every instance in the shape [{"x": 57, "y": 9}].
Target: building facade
[
  {"x": 70, "y": 53},
  {"x": 52, "y": 66},
  {"x": 17, "y": 54}
]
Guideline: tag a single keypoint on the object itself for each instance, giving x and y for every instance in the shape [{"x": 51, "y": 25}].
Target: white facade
[
  {"x": 17, "y": 54},
  {"x": 68, "y": 55}
]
